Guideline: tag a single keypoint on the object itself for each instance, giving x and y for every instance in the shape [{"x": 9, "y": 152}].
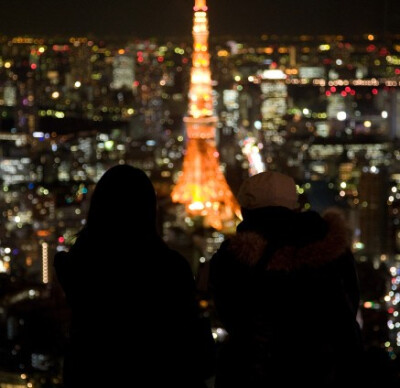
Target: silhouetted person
[
  {"x": 286, "y": 290},
  {"x": 135, "y": 321}
]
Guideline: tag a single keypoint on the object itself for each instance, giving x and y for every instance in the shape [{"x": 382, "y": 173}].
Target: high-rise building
[
  {"x": 202, "y": 187},
  {"x": 373, "y": 222},
  {"x": 123, "y": 72}
]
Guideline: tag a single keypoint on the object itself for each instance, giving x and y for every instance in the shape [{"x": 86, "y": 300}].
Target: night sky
[{"x": 169, "y": 18}]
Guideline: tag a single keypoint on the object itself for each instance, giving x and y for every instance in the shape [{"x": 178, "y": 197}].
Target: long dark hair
[{"x": 123, "y": 205}]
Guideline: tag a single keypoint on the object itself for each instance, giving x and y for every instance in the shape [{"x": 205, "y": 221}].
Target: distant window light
[
  {"x": 374, "y": 170},
  {"x": 257, "y": 125}
]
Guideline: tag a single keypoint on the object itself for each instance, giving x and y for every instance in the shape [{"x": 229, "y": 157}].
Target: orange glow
[
  {"x": 203, "y": 304},
  {"x": 200, "y": 4},
  {"x": 223, "y": 53},
  {"x": 43, "y": 233},
  {"x": 202, "y": 187}
]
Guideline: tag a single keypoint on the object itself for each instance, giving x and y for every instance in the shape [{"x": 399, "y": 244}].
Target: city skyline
[
  {"x": 173, "y": 18},
  {"x": 322, "y": 109}
]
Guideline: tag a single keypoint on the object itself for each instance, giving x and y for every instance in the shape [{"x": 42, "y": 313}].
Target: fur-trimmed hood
[{"x": 249, "y": 246}]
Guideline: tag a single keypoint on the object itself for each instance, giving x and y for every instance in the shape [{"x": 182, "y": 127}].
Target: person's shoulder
[
  {"x": 74, "y": 252},
  {"x": 167, "y": 254},
  {"x": 175, "y": 264},
  {"x": 346, "y": 258},
  {"x": 241, "y": 249},
  {"x": 223, "y": 248},
  {"x": 176, "y": 257},
  {"x": 225, "y": 257},
  {"x": 60, "y": 258},
  {"x": 61, "y": 255}
]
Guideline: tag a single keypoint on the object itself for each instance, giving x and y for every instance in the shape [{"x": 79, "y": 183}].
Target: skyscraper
[{"x": 202, "y": 187}]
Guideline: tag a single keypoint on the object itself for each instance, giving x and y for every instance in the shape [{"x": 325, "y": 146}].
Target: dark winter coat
[
  {"x": 134, "y": 316},
  {"x": 286, "y": 289}
]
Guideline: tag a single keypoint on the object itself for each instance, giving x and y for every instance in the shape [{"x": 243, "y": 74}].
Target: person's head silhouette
[{"x": 123, "y": 204}]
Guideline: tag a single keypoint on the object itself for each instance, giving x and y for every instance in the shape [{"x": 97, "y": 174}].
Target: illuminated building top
[{"x": 200, "y": 93}]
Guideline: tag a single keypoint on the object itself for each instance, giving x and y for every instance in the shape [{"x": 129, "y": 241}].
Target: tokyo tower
[{"x": 202, "y": 187}]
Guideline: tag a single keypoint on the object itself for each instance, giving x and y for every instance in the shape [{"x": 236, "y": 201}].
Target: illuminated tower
[{"x": 202, "y": 187}]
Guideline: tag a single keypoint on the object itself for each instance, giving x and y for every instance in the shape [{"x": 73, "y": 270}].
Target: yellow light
[
  {"x": 121, "y": 51},
  {"x": 358, "y": 245},
  {"x": 367, "y": 124},
  {"x": 109, "y": 145},
  {"x": 393, "y": 59},
  {"x": 195, "y": 206},
  {"x": 371, "y": 37},
  {"x": 41, "y": 50},
  {"x": 223, "y": 53},
  {"x": 324, "y": 47},
  {"x": 55, "y": 95},
  {"x": 179, "y": 51},
  {"x": 7, "y": 65}
]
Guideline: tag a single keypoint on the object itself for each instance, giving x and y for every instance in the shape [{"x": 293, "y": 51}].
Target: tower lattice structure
[{"x": 202, "y": 187}]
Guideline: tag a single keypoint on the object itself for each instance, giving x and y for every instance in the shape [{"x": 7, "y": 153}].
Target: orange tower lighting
[{"x": 202, "y": 187}]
